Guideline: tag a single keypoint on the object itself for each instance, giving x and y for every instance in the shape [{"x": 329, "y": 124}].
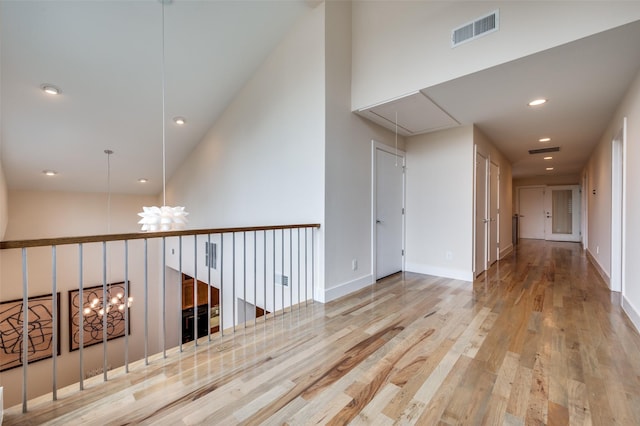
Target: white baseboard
[
  {"x": 347, "y": 288},
  {"x": 506, "y": 251},
  {"x": 631, "y": 312},
  {"x": 605, "y": 277},
  {"x": 456, "y": 274}
]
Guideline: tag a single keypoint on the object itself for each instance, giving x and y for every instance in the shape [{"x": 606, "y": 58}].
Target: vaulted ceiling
[{"x": 106, "y": 58}]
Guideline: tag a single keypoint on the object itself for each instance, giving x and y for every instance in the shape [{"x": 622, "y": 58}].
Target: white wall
[
  {"x": 289, "y": 150},
  {"x": 631, "y": 109},
  {"x": 4, "y": 201},
  {"x": 50, "y": 214},
  {"x": 262, "y": 161},
  {"x": 403, "y": 46},
  {"x": 599, "y": 205},
  {"x": 347, "y": 227},
  {"x": 439, "y": 191},
  {"x": 4, "y": 206},
  {"x": 53, "y": 214}
]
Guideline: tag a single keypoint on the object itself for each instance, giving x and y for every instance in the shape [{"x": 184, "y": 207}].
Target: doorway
[
  {"x": 494, "y": 213},
  {"x": 387, "y": 210},
  {"x": 481, "y": 219},
  {"x": 562, "y": 213},
  {"x": 531, "y": 212},
  {"x": 190, "y": 313},
  {"x": 550, "y": 212},
  {"x": 617, "y": 208}
]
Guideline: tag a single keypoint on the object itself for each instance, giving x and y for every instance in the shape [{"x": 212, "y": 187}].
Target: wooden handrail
[{"x": 44, "y": 242}]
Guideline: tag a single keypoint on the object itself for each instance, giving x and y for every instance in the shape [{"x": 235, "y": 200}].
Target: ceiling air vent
[
  {"x": 481, "y": 26},
  {"x": 544, "y": 150}
]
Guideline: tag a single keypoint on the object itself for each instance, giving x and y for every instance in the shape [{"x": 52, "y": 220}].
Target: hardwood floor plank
[
  {"x": 519, "y": 398},
  {"x": 557, "y": 414},
  {"x": 579, "y": 411},
  {"x": 371, "y": 414},
  {"x": 537, "y": 339}
]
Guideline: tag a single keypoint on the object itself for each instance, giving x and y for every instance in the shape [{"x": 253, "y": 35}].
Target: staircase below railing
[{"x": 146, "y": 291}]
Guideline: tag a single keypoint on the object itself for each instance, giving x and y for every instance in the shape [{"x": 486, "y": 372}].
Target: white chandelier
[{"x": 164, "y": 218}]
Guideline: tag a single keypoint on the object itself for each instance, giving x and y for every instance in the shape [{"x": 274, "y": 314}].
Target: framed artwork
[
  {"x": 94, "y": 310},
  {"x": 40, "y": 334}
]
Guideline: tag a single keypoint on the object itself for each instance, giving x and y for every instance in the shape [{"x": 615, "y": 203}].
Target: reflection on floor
[{"x": 538, "y": 339}]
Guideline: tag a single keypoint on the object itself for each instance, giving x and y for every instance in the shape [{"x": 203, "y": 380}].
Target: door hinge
[
  {"x": 402, "y": 252},
  {"x": 403, "y": 210}
]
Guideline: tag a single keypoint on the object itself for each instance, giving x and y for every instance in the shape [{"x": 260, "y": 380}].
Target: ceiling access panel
[{"x": 416, "y": 114}]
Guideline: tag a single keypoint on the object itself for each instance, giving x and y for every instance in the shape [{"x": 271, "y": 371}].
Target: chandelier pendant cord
[
  {"x": 164, "y": 156},
  {"x": 108, "y": 152}
]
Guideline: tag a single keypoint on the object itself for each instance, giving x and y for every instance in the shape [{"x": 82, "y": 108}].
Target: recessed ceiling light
[
  {"x": 50, "y": 172},
  {"x": 549, "y": 168},
  {"x": 143, "y": 180},
  {"x": 548, "y": 158},
  {"x": 50, "y": 89},
  {"x": 180, "y": 121},
  {"x": 544, "y": 140},
  {"x": 537, "y": 102}
]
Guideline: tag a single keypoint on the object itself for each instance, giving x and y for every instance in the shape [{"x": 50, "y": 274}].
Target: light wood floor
[{"x": 538, "y": 339}]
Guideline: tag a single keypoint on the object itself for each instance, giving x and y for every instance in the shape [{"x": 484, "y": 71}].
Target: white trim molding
[
  {"x": 599, "y": 268},
  {"x": 631, "y": 312},
  {"x": 456, "y": 274},
  {"x": 349, "y": 287},
  {"x": 506, "y": 251}
]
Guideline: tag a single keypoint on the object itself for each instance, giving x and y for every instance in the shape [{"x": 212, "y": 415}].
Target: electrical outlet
[
  {"x": 283, "y": 280},
  {"x": 449, "y": 255},
  {"x": 354, "y": 264}
]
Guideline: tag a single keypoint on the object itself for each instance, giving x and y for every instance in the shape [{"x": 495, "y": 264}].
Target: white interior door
[
  {"x": 562, "y": 213},
  {"x": 481, "y": 214},
  {"x": 494, "y": 215},
  {"x": 531, "y": 212},
  {"x": 617, "y": 209},
  {"x": 389, "y": 212}
]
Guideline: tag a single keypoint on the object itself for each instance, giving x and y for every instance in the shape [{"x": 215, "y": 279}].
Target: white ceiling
[
  {"x": 584, "y": 82},
  {"x": 106, "y": 58}
]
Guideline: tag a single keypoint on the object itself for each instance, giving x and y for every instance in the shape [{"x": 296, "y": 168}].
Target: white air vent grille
[{"x": 480, "y": 27}]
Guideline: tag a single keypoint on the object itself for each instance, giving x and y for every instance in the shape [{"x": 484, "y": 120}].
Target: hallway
[{"x": 537, "y": 339}]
